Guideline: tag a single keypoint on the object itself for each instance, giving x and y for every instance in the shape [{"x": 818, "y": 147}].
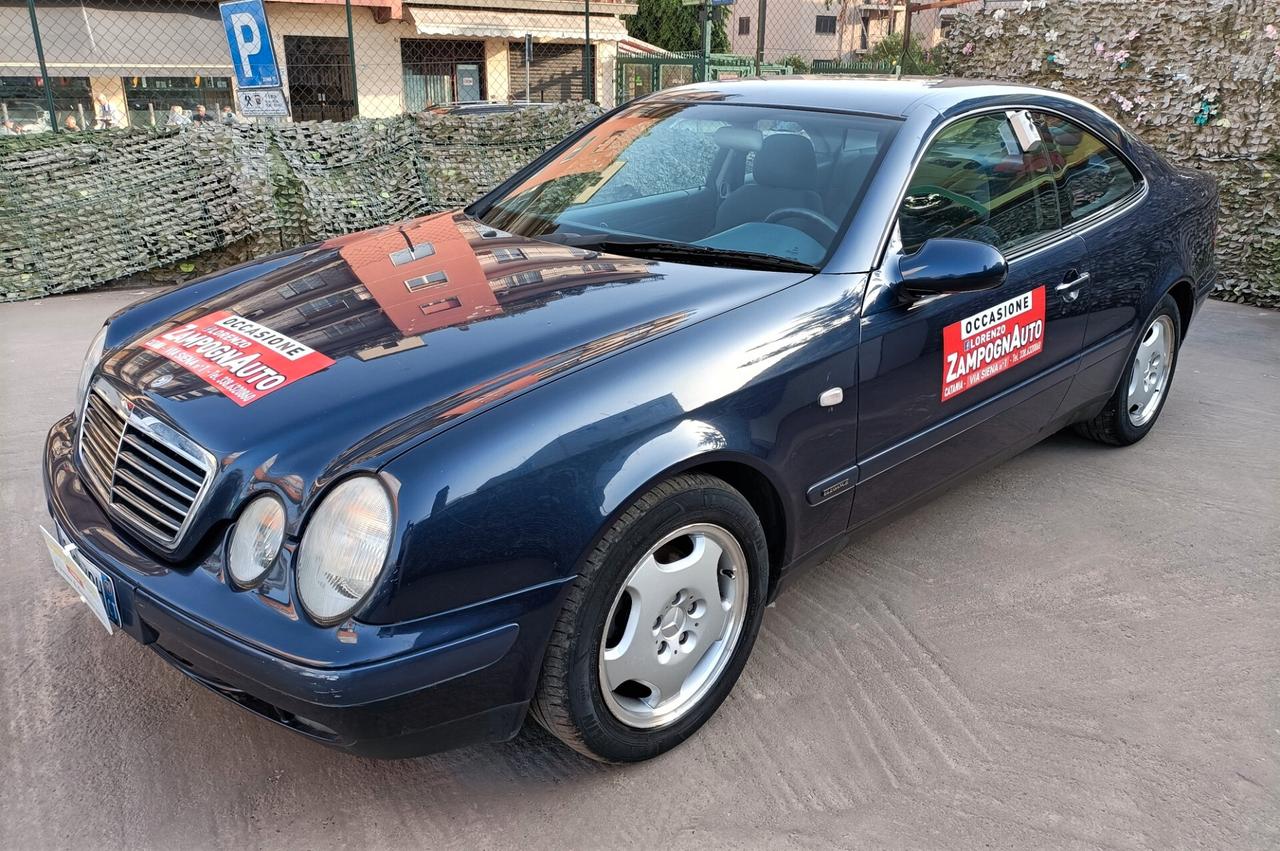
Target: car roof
[{"x": 876, "y": 95}]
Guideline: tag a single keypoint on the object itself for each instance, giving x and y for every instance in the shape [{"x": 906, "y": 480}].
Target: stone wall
[
  {"x": 1197, "y": 79},
  {"x": 84, "y": 210}
]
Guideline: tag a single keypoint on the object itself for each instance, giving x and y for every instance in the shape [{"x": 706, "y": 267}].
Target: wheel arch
[
  {"x": 762, "y": 494},
  {"x": 1184, "y": 295},
  {"x": 743, "y": 472}
]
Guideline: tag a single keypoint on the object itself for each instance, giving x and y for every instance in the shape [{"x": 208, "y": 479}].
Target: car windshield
[{"x": 721, "y": 184}]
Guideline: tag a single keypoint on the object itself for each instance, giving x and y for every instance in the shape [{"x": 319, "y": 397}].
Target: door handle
[{"x": 1070, "y": 289}]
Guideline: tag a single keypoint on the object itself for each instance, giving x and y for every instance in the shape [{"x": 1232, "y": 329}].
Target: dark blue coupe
[{"x": 553, "y": 454}]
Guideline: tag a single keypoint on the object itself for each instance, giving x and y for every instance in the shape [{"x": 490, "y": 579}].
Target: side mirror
[{"x": 951, "y": 266}]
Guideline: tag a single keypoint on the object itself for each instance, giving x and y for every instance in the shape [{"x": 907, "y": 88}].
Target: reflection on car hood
[{"x": 425, "y": 321}]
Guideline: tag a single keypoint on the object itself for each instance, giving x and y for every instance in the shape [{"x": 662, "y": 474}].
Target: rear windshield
[{"x": 739, "y": 178}]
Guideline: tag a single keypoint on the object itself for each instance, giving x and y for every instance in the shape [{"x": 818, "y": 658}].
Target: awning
[
  {"x": 85, "y": 41},
  {"x": 473, "y": 23}
]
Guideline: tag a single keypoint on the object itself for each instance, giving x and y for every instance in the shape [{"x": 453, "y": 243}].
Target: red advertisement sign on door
[
  {"x": 990, "y": 341},
  {"x": 239, "y": 358}
]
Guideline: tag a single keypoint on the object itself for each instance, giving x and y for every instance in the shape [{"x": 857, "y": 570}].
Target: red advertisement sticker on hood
[
  {"x": 239, "y": 358},
  {"x": 990, "y": 341}
]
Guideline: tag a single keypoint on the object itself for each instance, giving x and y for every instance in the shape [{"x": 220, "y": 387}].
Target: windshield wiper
[{"x": 677, "y": 251}]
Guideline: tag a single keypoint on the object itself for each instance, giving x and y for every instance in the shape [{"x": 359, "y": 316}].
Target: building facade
[{"x": 145, "y": 58}]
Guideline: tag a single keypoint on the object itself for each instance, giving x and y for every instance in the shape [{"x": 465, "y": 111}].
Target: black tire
[
  {"x": 569, "y": 701},
  {"x": 1113, "y": 425}
]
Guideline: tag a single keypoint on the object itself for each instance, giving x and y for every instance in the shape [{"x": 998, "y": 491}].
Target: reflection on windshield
[{"x": 727, "y": 177}]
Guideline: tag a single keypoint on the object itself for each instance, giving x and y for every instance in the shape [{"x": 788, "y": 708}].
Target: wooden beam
[{"x": 937, "y": 4}]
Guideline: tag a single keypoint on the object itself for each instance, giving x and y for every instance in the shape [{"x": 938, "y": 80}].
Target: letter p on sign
[
  {"x": 249, "y": 43},
  {"x": 248, "y": 39}
]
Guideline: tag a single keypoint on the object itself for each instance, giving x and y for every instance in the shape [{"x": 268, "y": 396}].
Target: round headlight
[
  {"x": 344, "y": 549},
  {"x": 256, "y": 540},
  {"x": 91, "y": 359}
]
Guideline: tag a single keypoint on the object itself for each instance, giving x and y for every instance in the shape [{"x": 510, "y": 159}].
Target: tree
[
  {"x": 673, "y": 26},
  {"x": 889, "y": 52}
]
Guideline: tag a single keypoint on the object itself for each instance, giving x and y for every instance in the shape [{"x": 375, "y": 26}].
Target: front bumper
[{"x": 401, "y": 690}]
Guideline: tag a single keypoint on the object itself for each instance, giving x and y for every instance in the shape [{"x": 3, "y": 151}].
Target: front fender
[{"x": 518, "y": 495}]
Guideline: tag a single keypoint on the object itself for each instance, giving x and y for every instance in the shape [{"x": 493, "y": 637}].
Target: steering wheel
[{"x": 808, "y": 215}]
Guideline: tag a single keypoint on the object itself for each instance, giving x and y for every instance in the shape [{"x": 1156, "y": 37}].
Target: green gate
[{"x": 641, "y": 75}]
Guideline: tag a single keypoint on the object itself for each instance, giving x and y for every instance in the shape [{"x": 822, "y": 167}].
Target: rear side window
[
  {"x": 984, "y": 179},
  {"x": 1090, "y": 176}
]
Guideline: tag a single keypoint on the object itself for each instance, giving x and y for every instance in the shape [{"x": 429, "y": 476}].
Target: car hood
[{"x": 416, "y": 326}]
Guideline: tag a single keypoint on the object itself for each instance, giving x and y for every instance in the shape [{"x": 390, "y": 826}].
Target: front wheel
[
  {"x": 1132, "y": 410},
  {"x": 659, "y": 625}
]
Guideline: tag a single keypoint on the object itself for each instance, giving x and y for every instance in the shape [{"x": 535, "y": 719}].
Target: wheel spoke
[
  {"x": 1139, "y": 396},
  {"x": 653, "y": 587},
  {"x": 667, "y": 679},
  {"x": 700, "y": 570},
  {"x": 1155, "y": 340},
  {"x": 632, "y": 659}
]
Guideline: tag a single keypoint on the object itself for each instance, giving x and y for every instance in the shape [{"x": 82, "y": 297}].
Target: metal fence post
[
  {"x": 44, "y": 71},
  {"x": 704, "y": 50},
  {"x": 906, "y": 38},
  {"x": 588, "y": 79},
  {"x": 351, "y": 53},
  {"x": 762, "y": 10}
]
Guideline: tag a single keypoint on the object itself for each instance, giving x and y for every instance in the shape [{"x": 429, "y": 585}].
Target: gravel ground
[{"x": 1077, "y": 649}]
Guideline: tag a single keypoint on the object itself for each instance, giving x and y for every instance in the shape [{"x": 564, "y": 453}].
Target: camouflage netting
[
  {"x": 83, "y": 210},
  {"x": 1197, "y": 79}
]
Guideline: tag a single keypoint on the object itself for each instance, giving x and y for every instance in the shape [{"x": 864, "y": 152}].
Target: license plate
[{"x": 94, "y": 587}]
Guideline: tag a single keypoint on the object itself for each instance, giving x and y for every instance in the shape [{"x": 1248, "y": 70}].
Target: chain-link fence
[
  {"x": 114, "y": 159},
  {"x": 77, "y": 65}
]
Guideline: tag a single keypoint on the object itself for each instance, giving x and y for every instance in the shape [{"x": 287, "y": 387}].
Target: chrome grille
[{"x": 146, "y": 473}]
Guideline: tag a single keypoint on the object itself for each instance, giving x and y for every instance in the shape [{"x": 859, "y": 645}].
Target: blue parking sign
[{"x": 252, "y": 55}]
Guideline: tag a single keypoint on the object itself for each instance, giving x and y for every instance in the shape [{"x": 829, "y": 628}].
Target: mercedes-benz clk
[{"x": 553, "y": 454}]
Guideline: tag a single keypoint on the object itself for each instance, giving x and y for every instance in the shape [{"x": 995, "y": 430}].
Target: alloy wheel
[{"x": 673, "y": 626}]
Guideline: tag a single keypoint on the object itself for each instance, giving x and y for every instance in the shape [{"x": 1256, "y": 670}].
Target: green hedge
[{"x": 83, "y": 210}]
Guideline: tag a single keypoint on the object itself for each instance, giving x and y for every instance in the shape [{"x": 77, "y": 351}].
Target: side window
[
  {"x": 1090, "y": 176},
  {"x": 985, "y": 179}
]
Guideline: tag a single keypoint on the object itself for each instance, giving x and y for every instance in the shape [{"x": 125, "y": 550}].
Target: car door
[
  {"x": 1098, "y": 190},
  {"x": 949, "y": 382}
]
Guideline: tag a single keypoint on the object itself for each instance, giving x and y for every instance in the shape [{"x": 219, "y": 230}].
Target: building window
[
  {"x": 864, "y": 32},
  {"x": 519, "y": 279},
  {"x": 408, "y": 255},
  {"x": 508, "y": 255},
  {"x": 24, "y": 102},
  {"x": 825, "y": 25},
  {"x": 321, "y": 87},
  {"x": 438, "y": 71},
  {"x": 428, "y": 280},
  {"x": 450, "y": 303},
  {"x": 344, "y": 328},
  {"x": 305, "y": 284},
  {"x": 151, "y": 99},
  {"x": 323, "y": 304},
  {"x": 744, "y": 26}
]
